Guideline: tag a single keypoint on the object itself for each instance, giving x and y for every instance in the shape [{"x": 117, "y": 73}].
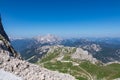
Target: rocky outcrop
[
  {"x": 6, "y": 44},
  {"x": 2, "y": 31},
  {"x": 28, "y": 71},
  {"x": 73, "y": 52},
  {"x": 83, "y": 55},
  {"x": 4, "y": 38},
  {"x": 92, "y": 48}
]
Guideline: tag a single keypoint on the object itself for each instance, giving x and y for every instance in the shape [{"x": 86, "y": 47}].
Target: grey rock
[{"x": 29, "y": 71}]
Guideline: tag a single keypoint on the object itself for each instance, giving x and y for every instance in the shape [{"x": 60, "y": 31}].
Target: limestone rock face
[{"x": 83, "y": 55}]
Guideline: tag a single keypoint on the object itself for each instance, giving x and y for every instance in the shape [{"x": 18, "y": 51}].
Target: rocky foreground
[{"x": 28, "y": 71}]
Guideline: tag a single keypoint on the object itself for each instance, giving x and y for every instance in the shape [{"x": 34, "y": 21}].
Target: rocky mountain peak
[{"x": 47, "y": 39}]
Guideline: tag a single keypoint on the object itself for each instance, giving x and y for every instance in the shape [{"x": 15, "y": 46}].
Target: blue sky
[{"x": 92, "y": 18}]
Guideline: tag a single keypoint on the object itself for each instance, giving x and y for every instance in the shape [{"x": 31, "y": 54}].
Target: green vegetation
[
  {"x": 84, "y": 71},
  {"x": 96, "y": 70},
  {"x": 65, "y": 67},
  {"x": 67, "y": 57},
  {"x": 116, "y": 69},
  {"x": 59, "y": 66},
  {"x": 49, "y": 57},
  {"x": 108, "y": 72},
  {"x": 81, "y": 78}
]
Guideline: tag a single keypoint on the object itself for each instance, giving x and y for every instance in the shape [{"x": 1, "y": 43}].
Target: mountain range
[
  {"x": 85, "y": 59},
  {"x": 52, "y": 58},
  {"x": 103, "y": 49}
]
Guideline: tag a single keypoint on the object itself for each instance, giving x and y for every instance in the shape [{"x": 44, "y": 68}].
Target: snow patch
[{"x": 8, "y": 76}]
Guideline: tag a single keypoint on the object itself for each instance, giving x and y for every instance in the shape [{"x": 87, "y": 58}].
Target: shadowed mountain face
[
  {"x": 5, "y": 42},
  {"x": 2, "y": 31},
  {"x": 103, "y": 49}
]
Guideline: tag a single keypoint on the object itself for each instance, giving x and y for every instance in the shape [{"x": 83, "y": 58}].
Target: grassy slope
[{"x": 83, "y": 71}]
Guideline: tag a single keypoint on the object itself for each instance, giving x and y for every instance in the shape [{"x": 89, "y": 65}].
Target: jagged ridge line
[{"x": 9, "y": 46}]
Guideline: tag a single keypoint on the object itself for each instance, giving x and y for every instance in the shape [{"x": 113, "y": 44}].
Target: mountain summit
[{"x": 47, "y": 39}]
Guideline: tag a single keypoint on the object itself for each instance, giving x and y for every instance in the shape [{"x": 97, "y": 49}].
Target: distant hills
[{"x": 103, "y": 49}]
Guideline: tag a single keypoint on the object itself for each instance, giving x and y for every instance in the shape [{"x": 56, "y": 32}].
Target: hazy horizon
[{"x": 67, "y": 18}]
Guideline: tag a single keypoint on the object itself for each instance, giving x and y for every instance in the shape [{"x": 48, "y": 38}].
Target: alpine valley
[{"x": 83, "y": 58}]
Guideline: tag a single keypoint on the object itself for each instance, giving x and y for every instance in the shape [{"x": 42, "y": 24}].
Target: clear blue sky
[{"x": 27, "y": 18}]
